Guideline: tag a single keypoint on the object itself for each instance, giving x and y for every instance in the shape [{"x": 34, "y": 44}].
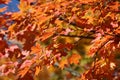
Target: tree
[{"x": 47, "y": 34}]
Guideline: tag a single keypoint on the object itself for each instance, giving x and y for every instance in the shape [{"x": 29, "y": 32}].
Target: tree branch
[{"x": 87, "y": 37}]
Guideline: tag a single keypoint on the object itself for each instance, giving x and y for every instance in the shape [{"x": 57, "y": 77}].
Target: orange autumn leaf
[
  {"x": 36, "y": 49},
  {"x": 11, "y": 28},
  {"x": 63, "y": 63},
  {"x": 117, "y": 31},
  {"x": 115, "y": 6},
  {"x": 23, "y": 6},
  {"x": 47, "y": 34},
  {"x": 74, "y": 58},
  {"x": 96, "y": 46},
  {"x": 37, "y": 71},
  {"x": 43, "y": 19},
  {"x": 23, "y": 72}
]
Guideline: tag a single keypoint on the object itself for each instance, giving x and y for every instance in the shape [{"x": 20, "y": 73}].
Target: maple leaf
[
  {"x": 63, "y": 63},
  {"x": 36, "y": 49},
  {"x": 74, "y": 58},
  {"x": 37, "y": 70},
  {"x": 22, "y": 73},
  {"x": 115, "y": 6},
  {"x": 97, "y": 45},
  {"x": 49, "y": 32},
  {"x": 11, "y": 28},
  {"x": 43, "y": 19},
  {"x": 23, "y": 6}
]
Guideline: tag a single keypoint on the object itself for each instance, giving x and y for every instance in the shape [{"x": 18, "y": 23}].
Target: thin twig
[{"x": 87, "y": 37}]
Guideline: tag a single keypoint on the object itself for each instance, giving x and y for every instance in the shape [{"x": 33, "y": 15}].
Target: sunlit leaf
[
  {"x": 37, "y": 71},
  {"x": 74, "y": 58},
  {"x": 23, "y": 72},
  {"x": 63, "y": 63},
  {"x": 36, "y": 49},
  {"x": 47, "y": 34}
]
